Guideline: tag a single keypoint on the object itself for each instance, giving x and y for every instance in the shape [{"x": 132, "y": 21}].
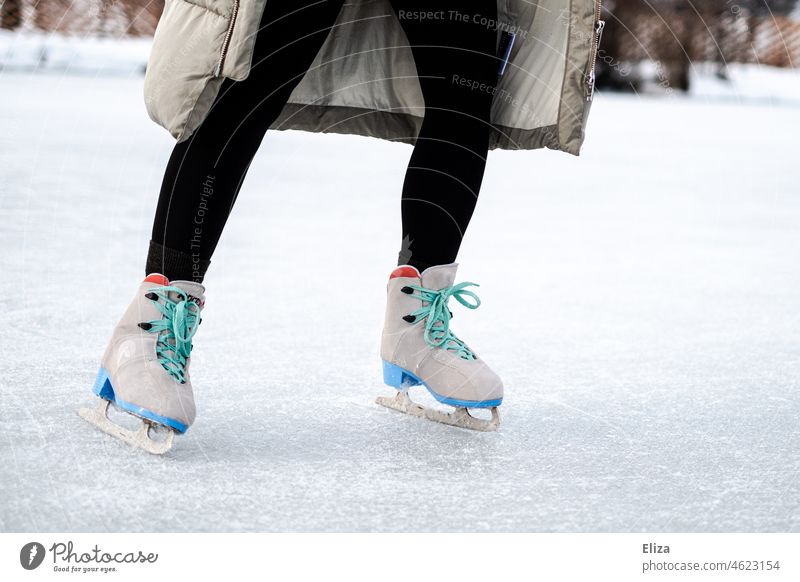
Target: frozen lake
[{"x": 642, "y": 304}]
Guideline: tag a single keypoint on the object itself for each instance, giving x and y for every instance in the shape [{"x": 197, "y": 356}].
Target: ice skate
[
  {"x": 419, "y": 348},
  {"x": 145, "y": 369}
]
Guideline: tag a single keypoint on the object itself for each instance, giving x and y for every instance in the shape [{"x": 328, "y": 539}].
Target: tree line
[{"x": 84, "y": 17}]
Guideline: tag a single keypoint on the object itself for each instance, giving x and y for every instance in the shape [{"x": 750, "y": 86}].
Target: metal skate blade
[
  {"x": 140, "y": 438},
  {"x": 460, "y": 417}
]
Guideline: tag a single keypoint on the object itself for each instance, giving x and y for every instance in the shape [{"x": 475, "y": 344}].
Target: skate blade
[
  {"x": 136, "y": 438},
  {"x": 460, "y": 417}
]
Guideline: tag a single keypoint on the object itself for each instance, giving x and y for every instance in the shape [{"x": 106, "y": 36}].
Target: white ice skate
[
  {"x": 418, "y": 347},
  {"x": 145, "y": 369}
]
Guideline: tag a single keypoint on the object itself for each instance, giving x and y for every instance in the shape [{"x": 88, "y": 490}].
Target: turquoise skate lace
[
  {"x": 437, "y": 316},
  {"x": 176, "y": 330}
]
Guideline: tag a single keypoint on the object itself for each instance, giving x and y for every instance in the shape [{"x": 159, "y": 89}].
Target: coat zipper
[
  {"x": 226, "y": 43},
  {"x": 598, "y": 34}
]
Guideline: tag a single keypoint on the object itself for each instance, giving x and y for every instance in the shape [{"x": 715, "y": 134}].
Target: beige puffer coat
[{"x": 542, "y": 99}]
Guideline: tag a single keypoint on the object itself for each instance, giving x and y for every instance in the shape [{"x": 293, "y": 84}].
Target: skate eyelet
[
  {"x": 151, "y": 296},
  {"x": 409, "y": 318},
  {"x": 145, "y": 326},
  {"x": 407, "y": 290}
]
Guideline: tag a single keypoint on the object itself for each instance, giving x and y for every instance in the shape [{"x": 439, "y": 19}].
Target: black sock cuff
[
  {"x": 405, "y": 258},
  {"x": 174, "y": 264}
]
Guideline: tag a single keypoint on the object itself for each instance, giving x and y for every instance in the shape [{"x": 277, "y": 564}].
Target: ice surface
[{"x": 642, "y": 304}]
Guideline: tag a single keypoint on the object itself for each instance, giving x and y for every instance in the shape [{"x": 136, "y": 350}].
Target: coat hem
[{"x": 403, "y": 127}]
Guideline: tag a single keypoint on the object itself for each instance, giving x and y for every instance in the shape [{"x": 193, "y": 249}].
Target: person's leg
[
  {"x": 205, "y": 173},
  {"x": 456, "y": 62}
]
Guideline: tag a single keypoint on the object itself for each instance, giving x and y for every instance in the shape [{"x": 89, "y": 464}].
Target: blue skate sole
[
  {"x": 104, "y": 389},
  {"x": 402, "y": 379}
]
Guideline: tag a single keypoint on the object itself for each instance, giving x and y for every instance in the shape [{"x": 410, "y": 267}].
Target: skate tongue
[
  {"x": 439, "y": 276},
  {"x": 156, "y": 279},
  {"x": 192, "y": 289},
  {"x": 406, "y": 271}
]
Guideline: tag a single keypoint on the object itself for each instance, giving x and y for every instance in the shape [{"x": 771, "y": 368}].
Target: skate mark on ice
[
  {"x": 17, "y": 471},
  {"x": 694, "y": 480},
  {"x": 616, "y": 428}
]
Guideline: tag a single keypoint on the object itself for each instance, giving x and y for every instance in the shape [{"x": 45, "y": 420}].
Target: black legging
[{"x": 205, "y": 172}]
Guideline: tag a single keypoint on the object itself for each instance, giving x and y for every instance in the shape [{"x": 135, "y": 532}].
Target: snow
[
  {"x": 747, "y": 82},
  {"x": 641, "y": 303},
  {"x": 29, "y": 50}
]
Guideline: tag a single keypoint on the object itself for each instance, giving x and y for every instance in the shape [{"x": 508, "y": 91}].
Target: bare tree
[
  {"x": 50, "y": 15},
  {"x": 142, "y": 15},
  {"x": 676, "y": 33},
  {"x": 10, "y": 14}
]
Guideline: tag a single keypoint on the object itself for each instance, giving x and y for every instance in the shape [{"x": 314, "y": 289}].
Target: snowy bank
[
  {"x": 35, "y": 51},
  {"x": 747, "y": 82},
  {"x": 32, "y": 51}
]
